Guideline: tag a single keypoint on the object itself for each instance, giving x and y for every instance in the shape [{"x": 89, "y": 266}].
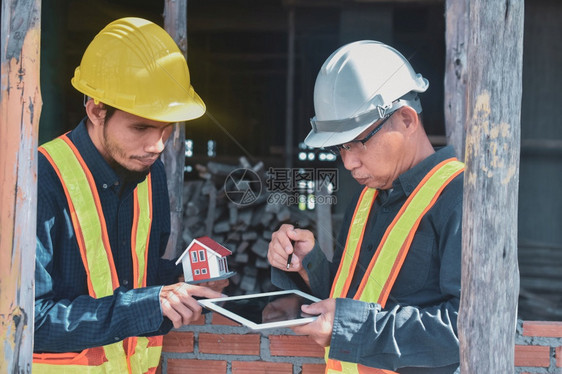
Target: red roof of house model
[{"x": 213, "y": 245}]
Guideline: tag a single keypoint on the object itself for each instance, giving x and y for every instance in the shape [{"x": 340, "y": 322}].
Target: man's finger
[
  {"x": 172, "y": 315},
  {"x": 305, "y": 329},
  {"x": 193, "y": 306},
  {"x": 178, "y": 313},
  {"x": 200, "y": 291},
  {"x": 285, "y": 242},
  {"x": 217, "y": 285},
  {"x": 277, "y": 254},
  {"x": 314, "y": 308}
]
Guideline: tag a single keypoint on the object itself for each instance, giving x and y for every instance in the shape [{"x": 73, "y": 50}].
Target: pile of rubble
[{"x": 232, "y": 205}]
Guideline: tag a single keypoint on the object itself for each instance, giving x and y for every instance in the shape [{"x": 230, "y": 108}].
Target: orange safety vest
[
  {"x": 134, "y": 354},
  {"x": 391, "y": 252}
]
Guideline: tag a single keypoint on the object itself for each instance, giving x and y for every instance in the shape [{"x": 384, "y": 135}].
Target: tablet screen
[{"x": 272, "y": 309}]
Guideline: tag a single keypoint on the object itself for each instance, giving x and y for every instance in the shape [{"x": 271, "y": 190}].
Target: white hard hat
[{"x": 359, "y": 84}]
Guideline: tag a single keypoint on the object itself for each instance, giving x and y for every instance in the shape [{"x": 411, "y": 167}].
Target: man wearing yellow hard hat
[{"x": 103, "y": 295}]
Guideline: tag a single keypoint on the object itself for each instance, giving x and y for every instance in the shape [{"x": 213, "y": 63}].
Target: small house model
[{"x": 204, "y": 260}]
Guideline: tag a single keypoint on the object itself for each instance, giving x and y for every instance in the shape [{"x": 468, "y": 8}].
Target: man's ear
[
  {"x": 409, "y": 118},
  {"x": 95, "y": 112}
]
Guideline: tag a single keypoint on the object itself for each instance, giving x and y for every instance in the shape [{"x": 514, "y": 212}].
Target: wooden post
[
  {"x": 324, "y": 231},
  {"x": 20, "y": 106},
  {"x": 289, "y": 105},
  {"x": 456, "y": 41},
  {"x": 175, "y": 23},
  {"x": 490, "y": 275}
]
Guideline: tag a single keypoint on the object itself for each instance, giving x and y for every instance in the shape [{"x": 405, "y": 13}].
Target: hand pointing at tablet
[{"x": 287, "y": 241}]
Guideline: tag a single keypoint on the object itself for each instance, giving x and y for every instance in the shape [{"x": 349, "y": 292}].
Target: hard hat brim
[
  {"x": 184, "y": 111},
  {"x": 326, "y": 139},
  {"x": 191, "y": 108}
]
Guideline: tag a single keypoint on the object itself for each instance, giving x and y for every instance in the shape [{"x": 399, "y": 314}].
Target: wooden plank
[
  {"x": 539, "y": 285},
  {"x": 175, "y": 23},
  {"x": 20, "y": 107},
  {"x": 339, "y": 3},
  {"x": 538, "y": 307},
  {"x": 490, "y": 275},
  {"x": 290, "y": 91},
  {"x": 324, "y": 231},
  {"x": 211, "y": 213}
]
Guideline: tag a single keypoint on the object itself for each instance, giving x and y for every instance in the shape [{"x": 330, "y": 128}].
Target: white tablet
[{"x": 264, "y": 310}]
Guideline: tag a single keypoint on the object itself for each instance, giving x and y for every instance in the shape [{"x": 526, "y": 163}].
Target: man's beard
[{"x": 127, "y": 175}]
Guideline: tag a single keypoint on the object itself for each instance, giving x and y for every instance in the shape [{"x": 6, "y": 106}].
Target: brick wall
[
  {"x": 538, "y": 347},
  {"x": 217, "y": 345}
]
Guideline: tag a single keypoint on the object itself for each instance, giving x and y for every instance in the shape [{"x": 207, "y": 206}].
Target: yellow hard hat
[{"x": 135, "y": 65}]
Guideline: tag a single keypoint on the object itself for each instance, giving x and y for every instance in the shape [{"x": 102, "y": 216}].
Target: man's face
[
  {"x": 380, "y": 160},
  {"x": 133, "y": 142}
]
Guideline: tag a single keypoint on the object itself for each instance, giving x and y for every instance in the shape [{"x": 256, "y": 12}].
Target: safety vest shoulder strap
[
  {"x": 395, "y": 244},
  {"x": 398, "y": 236},
  {"x": 135, "y": 354},
  {"x": 86, "y": 214},
  {"x": 140, "y": 234},
  {"x": 353, "y": 242},
  {"x": 393, "y": 248}
]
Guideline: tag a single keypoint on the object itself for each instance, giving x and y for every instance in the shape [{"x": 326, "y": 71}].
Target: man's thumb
[{"x": 311, "y": 309}]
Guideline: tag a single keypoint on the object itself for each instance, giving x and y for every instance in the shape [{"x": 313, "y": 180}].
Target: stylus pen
[
  {"x": 291, "y": 255},
  {"x": 289, "y": 261}
]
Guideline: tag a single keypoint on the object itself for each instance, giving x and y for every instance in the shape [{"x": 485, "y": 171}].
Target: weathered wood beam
[
  {"x": 20, "y": 106},
  {"x": 175, "y": 23},
  {"x": 340, "y": 3},
  {"x": 456, "y": 41},
  {"x": 490, "y": 274}
]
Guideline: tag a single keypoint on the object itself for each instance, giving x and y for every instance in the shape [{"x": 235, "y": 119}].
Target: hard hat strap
[{"x": 411, "y": 99}]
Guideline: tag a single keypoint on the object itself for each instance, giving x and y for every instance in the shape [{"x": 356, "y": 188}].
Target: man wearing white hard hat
[{"x": 391, "y": 293}]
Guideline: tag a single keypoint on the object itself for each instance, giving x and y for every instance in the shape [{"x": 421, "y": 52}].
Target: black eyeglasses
[{"x": 336, "y": 149}]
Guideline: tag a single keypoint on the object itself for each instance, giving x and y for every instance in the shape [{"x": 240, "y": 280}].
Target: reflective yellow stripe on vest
[
  {"x": 354, "y": 239},
  {"x": 385, "y": 265},
  {"x": 91, "y": 233},
  {"x": 393, "y": 248},
  {"x": 141, "y": 229},
  {"x": 82, "y": 194},
  {"x": 64, "y": 368}
]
